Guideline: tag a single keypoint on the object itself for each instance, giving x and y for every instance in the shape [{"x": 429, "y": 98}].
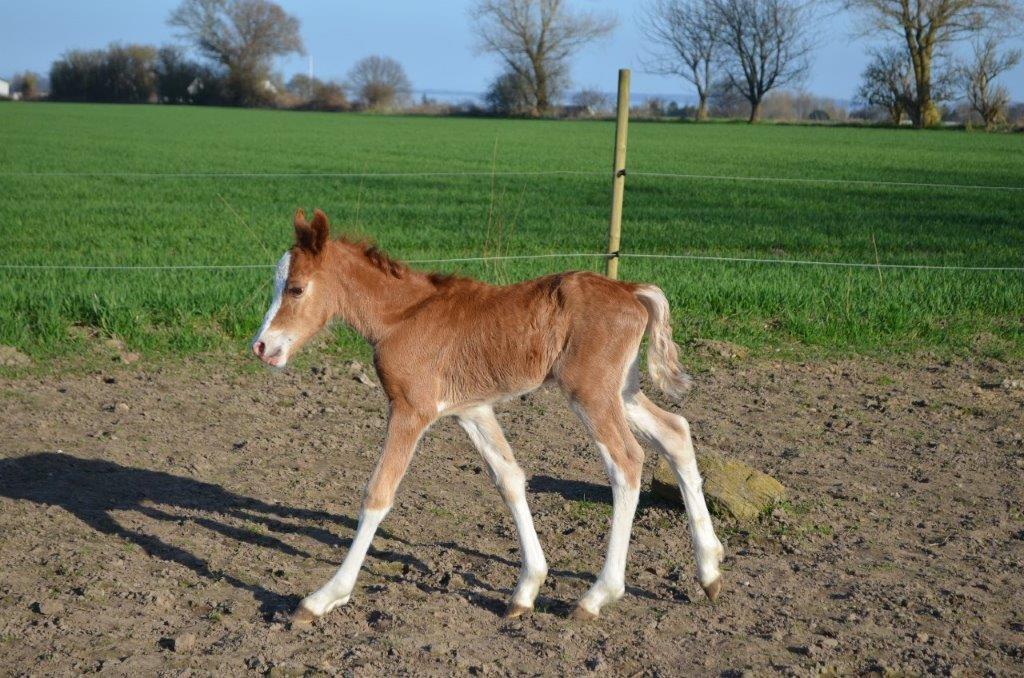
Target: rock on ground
[{"x": 730, "y": 486}]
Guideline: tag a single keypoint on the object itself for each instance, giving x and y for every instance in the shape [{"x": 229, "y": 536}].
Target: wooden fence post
[{"x": 618, "y": 175}]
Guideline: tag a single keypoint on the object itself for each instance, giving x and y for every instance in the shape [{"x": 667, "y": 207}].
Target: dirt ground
[{"x": 165, "y": 520}]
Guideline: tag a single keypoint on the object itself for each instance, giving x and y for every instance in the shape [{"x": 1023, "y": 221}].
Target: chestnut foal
[{"x": 452, "y": 346}]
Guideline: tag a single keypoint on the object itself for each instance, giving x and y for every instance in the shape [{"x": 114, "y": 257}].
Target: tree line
[
  {"x": 751, "y": 47},
  {"x": 728, "y": 51},
  {"x": 237, "y": 41},
  {"x": 146, "y": 74}
]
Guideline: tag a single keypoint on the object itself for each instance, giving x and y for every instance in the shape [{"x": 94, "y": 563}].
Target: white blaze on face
[{"x": 275, "y": 342}]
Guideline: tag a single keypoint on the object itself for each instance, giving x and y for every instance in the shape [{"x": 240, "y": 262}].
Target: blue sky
[{"x": 431, "y": 39}]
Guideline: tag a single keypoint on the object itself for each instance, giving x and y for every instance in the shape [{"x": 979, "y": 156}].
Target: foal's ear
[{"x": 311, "y": 236}]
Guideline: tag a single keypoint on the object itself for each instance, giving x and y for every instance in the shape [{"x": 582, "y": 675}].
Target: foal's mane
[
  {"x": 382, "y": 261},
  {"x": 379, "y": 258}
]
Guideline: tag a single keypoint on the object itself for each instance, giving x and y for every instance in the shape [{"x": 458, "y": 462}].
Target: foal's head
[{"x": 302, "y": 302}]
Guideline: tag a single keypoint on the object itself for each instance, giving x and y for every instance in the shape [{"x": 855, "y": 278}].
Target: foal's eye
[{"x": 295, "y": 291}]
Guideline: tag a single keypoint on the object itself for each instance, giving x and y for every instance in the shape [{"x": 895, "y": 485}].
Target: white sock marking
[
  {"x": 611, "y": 583},
  {"x": 337, "y": 591},
  {"x": 677, "y": 448},
  {"x": 483, "y": 429}
]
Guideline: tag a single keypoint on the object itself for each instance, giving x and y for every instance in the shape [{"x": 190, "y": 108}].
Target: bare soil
[{"x": 158, "y": 520}]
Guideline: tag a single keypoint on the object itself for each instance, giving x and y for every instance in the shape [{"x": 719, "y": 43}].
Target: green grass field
[{"x": 147, "y": 220}]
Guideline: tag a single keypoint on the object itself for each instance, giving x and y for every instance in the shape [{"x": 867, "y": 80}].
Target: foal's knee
[
  {"x": 510, "y": 481},
  {"x": 633, "y": 466},
  {"x": 378, "y": 499},
  {"x": 625, "y": 465},
  {"x": 674, "y": 425}
]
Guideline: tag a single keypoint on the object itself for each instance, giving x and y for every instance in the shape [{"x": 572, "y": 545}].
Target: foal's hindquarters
[
  {"x": 598, "y": 372},
  {"x": 600, "y": 375}
]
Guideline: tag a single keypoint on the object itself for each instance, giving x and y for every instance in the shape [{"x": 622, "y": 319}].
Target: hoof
[
  {"x": 516, "y": 610},
  {"x": 583, "y": 614},
  {"x": 714, "y": 588},
  {"x": 302, "y": 617}
]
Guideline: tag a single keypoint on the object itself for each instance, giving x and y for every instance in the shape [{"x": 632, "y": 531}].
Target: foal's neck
[{"x": 372, "y": 300}]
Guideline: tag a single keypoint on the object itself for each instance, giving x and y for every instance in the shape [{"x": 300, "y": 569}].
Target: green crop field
[{"x": 88, "y": 185}]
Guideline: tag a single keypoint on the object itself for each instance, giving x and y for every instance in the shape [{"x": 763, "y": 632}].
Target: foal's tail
[{"x": 662, "y": 353}]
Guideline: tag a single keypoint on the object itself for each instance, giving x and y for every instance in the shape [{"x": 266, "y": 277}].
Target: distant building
[{"x": 5, "y": 88}]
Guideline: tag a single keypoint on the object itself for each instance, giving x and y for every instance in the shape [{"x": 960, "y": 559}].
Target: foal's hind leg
[
  {"x": 483, "y": 428},
  {"x": 670, "y": 434},
  {"x": 623, "y": 459}
]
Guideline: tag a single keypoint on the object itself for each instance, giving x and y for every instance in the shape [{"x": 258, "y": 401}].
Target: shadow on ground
[{"x": 92, "y": 489}]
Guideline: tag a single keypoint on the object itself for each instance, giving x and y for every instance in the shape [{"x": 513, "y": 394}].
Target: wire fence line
[
  {"x": 512, "y": 173},
  {"x": 826, "y": 181},
  {"x": 811, "y": 262},
  {"x": 569, "y": 255},
  {"x": 524, "y": 173},
  {"x": 305, "y": 175},
  {"x": 228, "y": 267}
]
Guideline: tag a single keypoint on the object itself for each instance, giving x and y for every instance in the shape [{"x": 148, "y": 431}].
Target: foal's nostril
[{"x": 259, "y": 348}]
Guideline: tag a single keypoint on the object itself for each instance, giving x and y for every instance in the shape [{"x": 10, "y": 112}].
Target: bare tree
[
  {"x": 725, "y": 101},
  {"x": 314, "y": 94},
  {"x": 592, "y": 101},
  {"x": 380, "y": 83},
  {"x": 535, "y": 39},
  {"x": 888, "y": 83},
  {"x": 929, "y": 26},
  {"x": 26, "y": 84},
  {"x": 766, "y": 45},
  {"x": 685, "y": 40},
  {"x": 509, "y": 95},
  {"x": 977, "y": 80},
  {"x": 241, "y": 35}
]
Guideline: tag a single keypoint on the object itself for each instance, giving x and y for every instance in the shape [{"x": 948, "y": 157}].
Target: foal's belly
[{"x": 494, "y": 384}]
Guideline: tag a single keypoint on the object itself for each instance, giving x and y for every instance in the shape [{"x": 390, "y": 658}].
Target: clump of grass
[{"x": 583, "y": 509}]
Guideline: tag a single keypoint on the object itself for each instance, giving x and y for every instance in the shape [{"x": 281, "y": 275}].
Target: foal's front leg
[{"x": 404, "y": 430}]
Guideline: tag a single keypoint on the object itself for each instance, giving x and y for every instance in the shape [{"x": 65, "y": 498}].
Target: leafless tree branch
[
  {"x": 535, "y": 39},
  {"x": 241, "y": 35},
  {"x": 684, "y": 40},
  {"x": 929, "y": 26},
  {"x": 767, "y": 45}
]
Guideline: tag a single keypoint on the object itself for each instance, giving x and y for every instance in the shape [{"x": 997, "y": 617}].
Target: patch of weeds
[
  {"x": 582, "y": 509},
  {"x": 823, "y": 530},
  {"x": 795, "y": 508},
  {"x": 218, "y": 612},
  {"x": 731, "y": 533},
  {"x": 793, "y": 521},
  {"x": 662, "y": 523},
  {"x": 257, "y": 529},
  {"x": 440, "y": 512}
]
